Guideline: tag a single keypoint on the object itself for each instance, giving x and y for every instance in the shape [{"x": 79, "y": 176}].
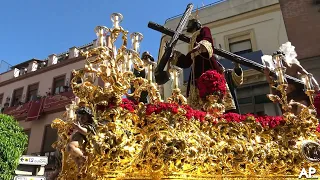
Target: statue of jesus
[{"x": 201, "y": 59}]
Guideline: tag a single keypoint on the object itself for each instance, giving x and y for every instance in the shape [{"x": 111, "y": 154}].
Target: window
[
  {"x": 241, "y": 43},
  {"x": 241, "y": 47},
  {"x": 17, "y": 97},
  {"x": 247, "y": 100},
  {"x": 50, "y": 136},
  {"x": 58, "y": 84},
  {"x": 261, "y": 99},
  {"x": 28, "y": 132},
  {"x": 257, "y": 102},
  {"x": 32, "y": 92}
]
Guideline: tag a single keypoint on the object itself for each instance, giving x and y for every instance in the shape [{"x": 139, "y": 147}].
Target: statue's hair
[{"x": 290, "y": 53}]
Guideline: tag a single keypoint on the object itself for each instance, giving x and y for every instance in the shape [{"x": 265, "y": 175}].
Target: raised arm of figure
[
  {"x": 81, "y": 129},
  {"x": 302, "y": 71}
]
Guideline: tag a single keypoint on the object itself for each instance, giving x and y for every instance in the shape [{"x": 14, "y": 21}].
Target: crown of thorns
[
  {"x": 279, "y": 53},
  {"x": 84, "y": 110}
]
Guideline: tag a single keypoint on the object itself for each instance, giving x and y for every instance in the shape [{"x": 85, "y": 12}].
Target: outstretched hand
[{"x": 196, "y": 48}]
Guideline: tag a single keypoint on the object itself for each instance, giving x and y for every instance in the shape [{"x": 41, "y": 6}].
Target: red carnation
[
  {"x": 128, "y": 105},
  {"x": 318, "y": 128},
  {"x": 211, "y": 83},
  {"x": 232, "y": 117}
]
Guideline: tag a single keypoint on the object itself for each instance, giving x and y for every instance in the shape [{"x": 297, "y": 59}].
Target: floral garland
[
  {"x": 211, "y": 83},
  {"x": 265, "y": 121},
  {"x": 271, "y": 121},
  {"x": 174, "y": 108}
]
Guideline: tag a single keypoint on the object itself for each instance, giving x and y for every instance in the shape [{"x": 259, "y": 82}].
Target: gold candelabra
[
  {"x": 281, "y": 84},
  {"x": 309, "y": 88}
]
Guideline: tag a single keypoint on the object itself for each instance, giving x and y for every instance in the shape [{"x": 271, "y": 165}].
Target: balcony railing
[{"x": 34, "y": 109}]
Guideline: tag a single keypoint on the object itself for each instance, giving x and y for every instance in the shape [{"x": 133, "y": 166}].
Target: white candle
[{"x": 116, "y": 21}]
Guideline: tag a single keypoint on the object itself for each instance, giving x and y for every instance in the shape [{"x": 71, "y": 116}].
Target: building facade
[
  {"x": 301, "y": 18},
  {"x": 36, "y": 92},
  {"x": 249, "y": 28}
]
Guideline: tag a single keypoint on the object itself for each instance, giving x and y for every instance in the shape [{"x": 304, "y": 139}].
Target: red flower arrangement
[
  {"x": 211, "y": 83},
  {"x": 318, "y": 128},
  {"x": 159, "y": 107},
  {"x": 270, "y": 121},
  {"x": 316, "y": 104},
  {"x": 126, "y": 104},
  {"x": 174, "y": 108},
  {"x": 196, "y": 114},
  {"x": 265, "y": 121}
]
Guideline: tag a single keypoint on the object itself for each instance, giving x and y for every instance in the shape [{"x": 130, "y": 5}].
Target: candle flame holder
[
  {"x": 307, "y": 79},
  {"x": 136, "y": 39},
  {"x": 116, "y": 18},
  {"x": 101, "y": 32},
  {"x": 176, "y": 96},
  {"x": 281, "y": 84}
]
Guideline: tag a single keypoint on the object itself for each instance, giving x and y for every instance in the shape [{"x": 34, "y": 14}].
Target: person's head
[
  {"x": 84, "y": 115},
  {"x": 193, "y": 25}
]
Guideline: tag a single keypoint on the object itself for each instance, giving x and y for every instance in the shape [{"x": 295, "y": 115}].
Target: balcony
[
  {"x": 57, "y": 102},
  {"x": 34, "y": 109},
  {"x": 20, "y": 112}
]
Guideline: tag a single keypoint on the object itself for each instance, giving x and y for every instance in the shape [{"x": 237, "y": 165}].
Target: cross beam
[{"x": 221, "y": 52}]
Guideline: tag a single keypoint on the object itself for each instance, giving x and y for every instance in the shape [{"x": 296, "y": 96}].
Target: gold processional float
[{"x": 170, "y": 140}]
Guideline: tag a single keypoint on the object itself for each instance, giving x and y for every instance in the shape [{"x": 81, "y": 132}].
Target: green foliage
[{"x": 13, "y": 142}]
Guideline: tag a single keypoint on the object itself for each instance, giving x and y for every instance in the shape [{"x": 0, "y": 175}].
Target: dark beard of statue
[{"x": 192, "y": 27}]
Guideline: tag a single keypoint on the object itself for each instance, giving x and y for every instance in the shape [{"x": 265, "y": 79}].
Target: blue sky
[{"x": 38, "y": 28}]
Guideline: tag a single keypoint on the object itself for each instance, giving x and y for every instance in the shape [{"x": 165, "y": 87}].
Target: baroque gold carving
[{"x": 138, "y": 144}]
